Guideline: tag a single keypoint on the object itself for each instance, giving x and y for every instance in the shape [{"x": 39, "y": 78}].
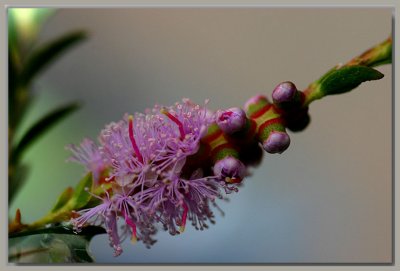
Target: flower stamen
[
  {"x": 132, "y": 138},
  {"x": 174, "y": 119},
  {"x": 131, "y": 224},
  {"x": 184, "y": 217}
]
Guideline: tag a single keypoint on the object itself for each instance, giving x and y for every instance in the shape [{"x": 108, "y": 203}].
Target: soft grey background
[{"x": 327, "y": 199}]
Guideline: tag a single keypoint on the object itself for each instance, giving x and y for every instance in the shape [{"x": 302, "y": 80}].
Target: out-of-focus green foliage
[
  {"x": 56, "y": 244},
  {"x": 41, "y": 127},
  {"x": 26, "y": 60},
  {"x": 51, "y": 239},
  {"x": 36, "y": 243},
  {"x": 24, "y": 25}
]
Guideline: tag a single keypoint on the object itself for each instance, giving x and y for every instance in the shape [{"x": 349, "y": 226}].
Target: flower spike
[{"x": 177, "y": 176}]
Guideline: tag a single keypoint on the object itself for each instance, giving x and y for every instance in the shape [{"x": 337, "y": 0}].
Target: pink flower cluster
[{"x": 145, "y": 157}]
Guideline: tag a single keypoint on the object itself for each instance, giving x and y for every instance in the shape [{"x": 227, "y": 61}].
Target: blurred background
[{"x": 327, "y": 199}]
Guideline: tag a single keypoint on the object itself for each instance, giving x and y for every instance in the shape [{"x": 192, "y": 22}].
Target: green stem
[
  {"x": 375, "y": 56},
  {"x": 63, "y": 210},
  {"x": 57, "y": 216}
]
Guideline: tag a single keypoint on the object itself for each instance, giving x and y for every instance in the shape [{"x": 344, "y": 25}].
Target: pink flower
[{"x": 146, "y": 157}]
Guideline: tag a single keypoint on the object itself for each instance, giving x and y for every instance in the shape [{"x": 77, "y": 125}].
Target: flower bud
[
  {"x": 230, "y": 169},
  {"x": 291, "y": 103},
  {"x": 277, "y": 142},
  {"x": 231, "y": 120},
  {"x": 284, "y": 92}
]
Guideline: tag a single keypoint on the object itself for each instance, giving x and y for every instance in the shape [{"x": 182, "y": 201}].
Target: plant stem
[
  {"x": 375, "y": 56},
  {"x": 61, "y": 215}
]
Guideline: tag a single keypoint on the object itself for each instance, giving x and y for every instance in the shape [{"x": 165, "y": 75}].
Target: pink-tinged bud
[
  {"x": 230, "y": 169},
  {"x": 277, "y": 142},
  {"x": 284, "y": 92},
  {"x": 231, "y": 120}
]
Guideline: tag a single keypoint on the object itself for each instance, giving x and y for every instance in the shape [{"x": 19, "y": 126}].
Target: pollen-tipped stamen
[
  {"x": 132, "y": 138},
  {"x": 132, "y": 225},
  {"x": 174, "y": 119},
  {"x": 134, "y": 234},
  {"x": 184, "y": 217}
]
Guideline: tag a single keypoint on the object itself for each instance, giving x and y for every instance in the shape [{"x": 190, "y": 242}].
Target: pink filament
[
  {"x": 132, "y": 225},
  {"x": 184, "y": 217},
  {"x": 178, "y": 122},
  {"x": 135, "y": 147}
]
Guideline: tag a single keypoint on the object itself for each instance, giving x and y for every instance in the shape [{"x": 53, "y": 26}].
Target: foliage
[{"x": 26, "y": 60}]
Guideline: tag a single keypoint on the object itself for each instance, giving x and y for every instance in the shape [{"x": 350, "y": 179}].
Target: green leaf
[
  {"x": 43, "y": 56},
  {"x": 41, "y": 127},
  {"x": 81, "y": 196},
  {"x": 346, "y": 79},
  {"x": 63, "y": 199},
  {"x": 16, "y": 179},
  {"x": 55, "y": 244}
]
